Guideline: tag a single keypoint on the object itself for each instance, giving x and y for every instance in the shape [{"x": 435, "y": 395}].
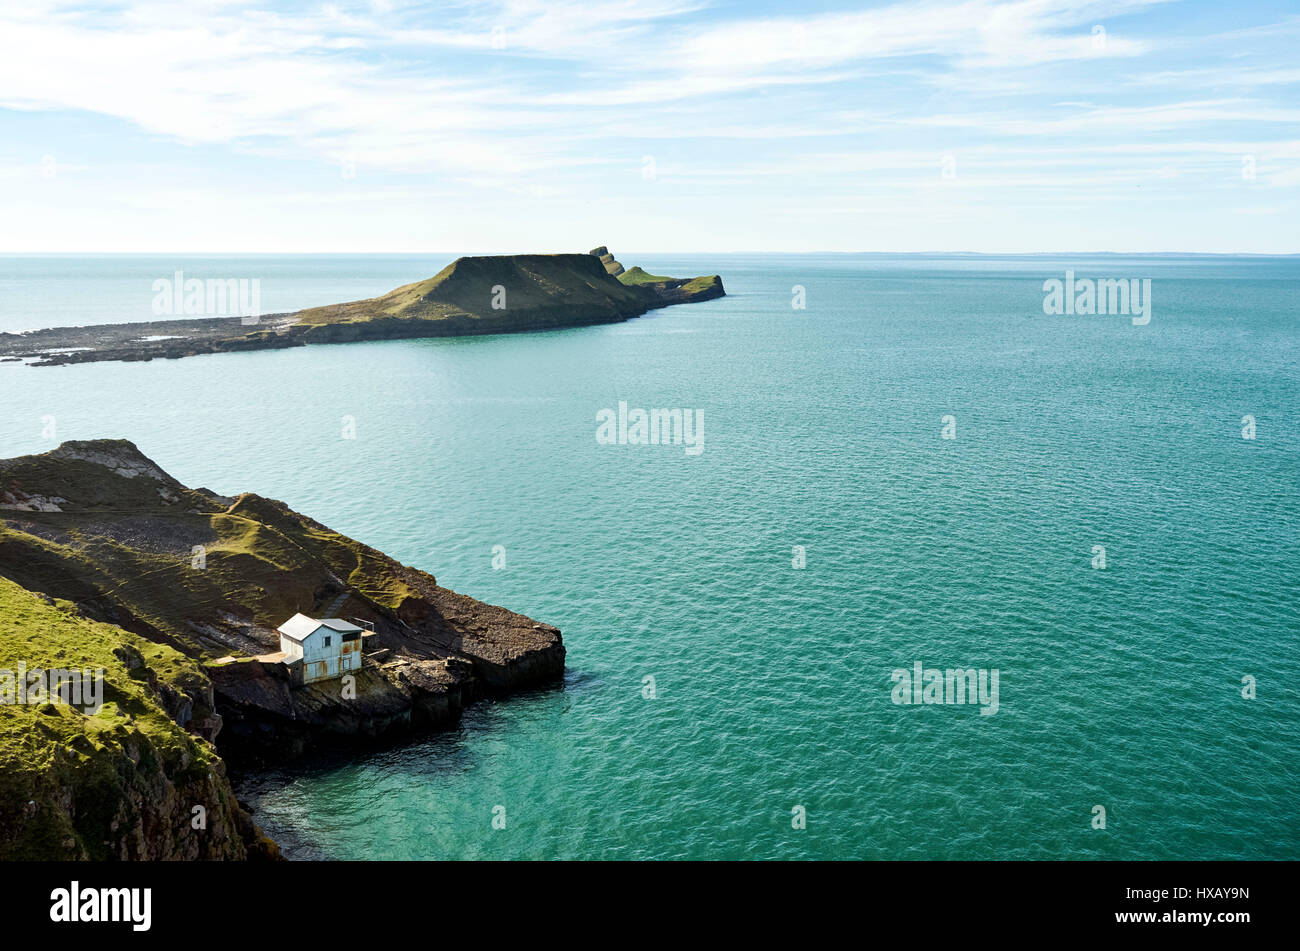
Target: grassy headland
[
  {"x": 493, "y": 294},
  {"x": 108, "y": 562}
]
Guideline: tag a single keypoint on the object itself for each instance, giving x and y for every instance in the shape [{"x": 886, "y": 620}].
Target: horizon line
[{"x": 629, "y": 254}]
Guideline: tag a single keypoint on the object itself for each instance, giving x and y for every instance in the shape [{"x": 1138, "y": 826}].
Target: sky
[{"x": 650, "y": 125}]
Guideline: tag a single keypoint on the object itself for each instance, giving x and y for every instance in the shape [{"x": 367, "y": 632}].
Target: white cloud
[{"x": 543, "y": 105}]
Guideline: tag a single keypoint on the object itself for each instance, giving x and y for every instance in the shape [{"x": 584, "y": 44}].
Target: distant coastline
[{"x": 474, "y": 295}]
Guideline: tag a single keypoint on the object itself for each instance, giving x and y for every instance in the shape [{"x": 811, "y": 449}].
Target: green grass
[
  {"x": 636, "y": 275},
  {"x": 698, "y": 284},
  {"x": 65, "y": 775}
]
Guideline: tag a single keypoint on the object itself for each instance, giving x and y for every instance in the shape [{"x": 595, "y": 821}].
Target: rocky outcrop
[
  {"x": 684, "y": 290},
  {"x": 191, "y": 634},
  {"x": 268, "y": 720},
  {"x": 116, "y": 775},
  {"x": 665, "y": 291},
  {"x": 122, "y": 803},
  {"x": 612, "y": 267}
]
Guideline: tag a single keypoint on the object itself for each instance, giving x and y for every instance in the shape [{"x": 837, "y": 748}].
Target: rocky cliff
[
  {"x": 612, "y": 267},
  {"x": 200, "y": 581},
  {"x": 125, "y": 780}
]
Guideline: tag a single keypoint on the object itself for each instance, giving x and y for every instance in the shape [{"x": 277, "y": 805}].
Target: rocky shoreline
[{"x": 148, "y": 340}]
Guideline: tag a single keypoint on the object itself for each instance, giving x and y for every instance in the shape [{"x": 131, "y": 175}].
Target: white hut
[{"x": 325, "y": 649}]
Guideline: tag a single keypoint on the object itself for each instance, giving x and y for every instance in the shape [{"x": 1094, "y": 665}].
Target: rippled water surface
[{"x": 1119, "y": 687}]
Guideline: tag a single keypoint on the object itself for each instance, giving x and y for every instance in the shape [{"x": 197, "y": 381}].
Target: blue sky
[{"x": 650, "y": 125}]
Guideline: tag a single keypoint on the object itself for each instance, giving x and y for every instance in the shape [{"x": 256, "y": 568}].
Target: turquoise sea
[{"x": 1119, "y": 687}]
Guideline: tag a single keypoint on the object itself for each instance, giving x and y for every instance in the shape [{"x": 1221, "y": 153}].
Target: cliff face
[
  {"x": 612, "y": 267},
  {"x": 202, "y": 581},
  {"x": 124, "y": 781}
]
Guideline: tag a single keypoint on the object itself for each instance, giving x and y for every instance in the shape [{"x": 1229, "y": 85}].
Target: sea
[{"x": 902, "y": 464}]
